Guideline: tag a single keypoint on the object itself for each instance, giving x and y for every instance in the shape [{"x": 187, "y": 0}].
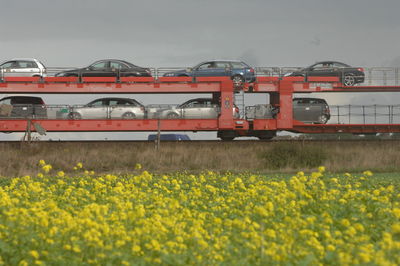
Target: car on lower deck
[
  {"x": 311, "y": 110},
  {"x": 348, "y": 75},
  {"x": 307, "y": 110},
  {"x": 109, "y": 108},
  {"x": 239, "y": 71},
  {"x": 199, "y": 108},
  {"x": 23, "y": 107}
]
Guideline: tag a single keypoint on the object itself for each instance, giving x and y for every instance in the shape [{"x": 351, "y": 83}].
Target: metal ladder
[{"x": 239, "y": 102}]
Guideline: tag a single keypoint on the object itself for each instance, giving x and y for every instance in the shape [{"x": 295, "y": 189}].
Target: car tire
[
  {"x": 266, "y": 135},
  {"x": 128, "y": 115},
  {"x": 74, "y": 116},
  {"x": 172, "y": 116},
  {"x": 238, "y": 81},
  {"x": 349, "y": 80},
  {"x": 226, "y": 135},
  {"x": 322, "y": 119}
]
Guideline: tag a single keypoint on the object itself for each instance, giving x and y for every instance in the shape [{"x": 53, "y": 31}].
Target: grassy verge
[{"x": 256, "y": 157}]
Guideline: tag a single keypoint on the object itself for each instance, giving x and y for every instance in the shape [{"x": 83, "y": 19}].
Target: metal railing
[
  {"x": 339, "y": 114},
  {"x": 373, "y": 76}
]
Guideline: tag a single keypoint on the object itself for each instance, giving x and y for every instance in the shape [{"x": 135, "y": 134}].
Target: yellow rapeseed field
[{"x": 204, "y": 219}]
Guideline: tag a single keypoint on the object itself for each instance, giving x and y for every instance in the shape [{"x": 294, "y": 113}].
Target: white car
[
  {"x": 22, "y": 67},
  {"x": 106, "y": 108}
]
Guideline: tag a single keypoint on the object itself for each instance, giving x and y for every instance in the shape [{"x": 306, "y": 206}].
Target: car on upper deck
[
  {"x": 239, "y": 71},
  {"x": 347, "y": 74},
  {"x": 108, "y": 68},
  {"x": 22, "y": 67}
]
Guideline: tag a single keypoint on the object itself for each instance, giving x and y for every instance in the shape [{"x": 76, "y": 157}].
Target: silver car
[
  {"x": 22, "y": 67},
  {"x": 199, "y": 108},
  {"x": 109, "y": 108}
]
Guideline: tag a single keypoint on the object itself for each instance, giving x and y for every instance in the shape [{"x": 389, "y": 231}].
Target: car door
[
  {"x": 27, "y": 69},
  {"x": 321, "y": 70},
  {"x": 95, "y": 110},
  {"x": 117, "y": 68},
  {"x": 121, "y": 107},
  {"x": 8, "y": 69},
  {"x": 192, "y": 109},
  {"x": 301, "y": 110},
  {"x": 316, "y": 109},
  {"x": 98, "y": 69},
  {"x": 211, "y": 69}
]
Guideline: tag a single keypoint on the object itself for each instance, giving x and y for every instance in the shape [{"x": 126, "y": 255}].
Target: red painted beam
[{"x": 112, "y": 125}]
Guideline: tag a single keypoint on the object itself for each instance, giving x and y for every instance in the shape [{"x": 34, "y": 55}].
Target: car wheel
[
  {"x": 75, "y": 116},
  {"x": 172, "y": 116},
  {"x": 266, "y": 135},
  {"x": 349, "y": 80},
  {"x": 237, "y": 81},
  {"x": 128, "y": 115},
  {"x": 323, "y": 119}
]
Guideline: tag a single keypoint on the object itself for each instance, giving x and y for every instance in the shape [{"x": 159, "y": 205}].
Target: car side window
[
  {"x": 207, "y": 65},
  {"x": 9, "y": 64},
  {"x": 99, "y": 65},
  {"x": 27, "y": 64},
  {"x": 117, "y": 65},
  {"x": 237, "y": 65},
  {"x": 98, "y": 103},
  {"x": 5, "y": 101},
  {"x": 190, "y": 105},
  {"x": 222, "y": 65},
  {"x": 338, "y": 65}
]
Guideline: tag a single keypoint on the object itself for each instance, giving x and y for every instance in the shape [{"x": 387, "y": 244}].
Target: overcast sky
[{"x": 161, "y": 33}]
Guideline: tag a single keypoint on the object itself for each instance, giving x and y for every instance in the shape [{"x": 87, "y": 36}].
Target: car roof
[
  {"x": 308, "y": 98},
  {"x": 330, "y": 62},
  {"x": 222, "y": 60},
  {"x": 114, "y": 98},
  {"x": 111, "y": 59},
  {"x": 21, "y": 96}
]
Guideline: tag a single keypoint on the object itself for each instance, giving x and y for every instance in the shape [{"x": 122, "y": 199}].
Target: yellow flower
[
  {"x": 138, "y": 166},
  {"x": 42, "y": 163},
  {"x": 60, "y": 174},
  {"x": 46, "y": 168},
  {"x": 367, "y": 173},
  {"x": 34, "y": 254},
  {"x": 40, "y": 175},
  {"x": 136, "y": 248},
  {"x": 321, "y": 169},
  {"x": 79, "y": 165},
  {"x": 23, "y": 263}
]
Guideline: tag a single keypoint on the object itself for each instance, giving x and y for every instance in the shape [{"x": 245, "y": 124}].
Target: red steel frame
[{"x": 280, "y": 90}]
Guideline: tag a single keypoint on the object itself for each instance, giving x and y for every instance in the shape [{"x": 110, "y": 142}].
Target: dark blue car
[{"x": 239, "y": 71}]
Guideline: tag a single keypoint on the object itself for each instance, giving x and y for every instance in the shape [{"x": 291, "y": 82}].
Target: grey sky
[{"x": 161, "y": 33}]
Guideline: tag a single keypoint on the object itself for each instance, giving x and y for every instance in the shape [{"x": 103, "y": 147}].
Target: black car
[
  {"x": 108, "y": 68},
  {"x": 348, "y": 75},
  {"x": 239, "y": 71},
  {"x": 311, "y": 110},
  {"x": 23, "y": 107}
]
